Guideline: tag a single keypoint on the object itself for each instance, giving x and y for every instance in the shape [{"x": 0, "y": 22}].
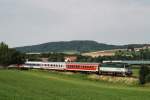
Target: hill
[
  {"x": 67, "y": 46},
  {"x": 38, "y": 85}
]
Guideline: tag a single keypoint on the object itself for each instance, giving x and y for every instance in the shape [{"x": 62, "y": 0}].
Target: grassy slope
[{"x": 37, "y": 85}]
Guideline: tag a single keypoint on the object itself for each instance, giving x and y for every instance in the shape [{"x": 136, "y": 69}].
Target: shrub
[
  {"x": 144, "y": 71},
  {"x": 148, "y": 78}
]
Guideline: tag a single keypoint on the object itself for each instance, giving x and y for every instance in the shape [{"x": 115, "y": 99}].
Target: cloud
[{"x": 25, "y": 22}]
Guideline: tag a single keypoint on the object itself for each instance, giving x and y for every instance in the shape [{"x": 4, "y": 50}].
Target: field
[{"x": 44, "y": 85}]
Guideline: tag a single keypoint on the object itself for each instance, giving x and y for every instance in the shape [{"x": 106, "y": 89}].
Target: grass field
[{"x": 43, "y": 85}]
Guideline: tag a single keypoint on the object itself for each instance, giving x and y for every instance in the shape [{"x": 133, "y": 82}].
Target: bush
[
  {"x": 144, "y": 71},
  {"x": 148, "y": 78}
]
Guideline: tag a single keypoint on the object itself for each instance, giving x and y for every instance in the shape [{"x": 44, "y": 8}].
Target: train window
[
  {"x": 115, "y": 65},
  {"x": 79, "y": 66},
  {"x": 75, "y": 66},
  {"x": 68, "y": 66}
]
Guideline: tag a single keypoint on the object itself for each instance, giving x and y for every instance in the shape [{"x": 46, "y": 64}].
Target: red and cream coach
[{"x": 88, "y": 67}]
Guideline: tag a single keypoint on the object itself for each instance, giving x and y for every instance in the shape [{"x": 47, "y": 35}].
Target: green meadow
[{"x": 48, "y": 85}]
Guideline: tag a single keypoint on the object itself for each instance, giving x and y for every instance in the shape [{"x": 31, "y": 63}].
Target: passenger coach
[
  {"x": 88, "y": 67},
  {"x": 46, "y": 65}
]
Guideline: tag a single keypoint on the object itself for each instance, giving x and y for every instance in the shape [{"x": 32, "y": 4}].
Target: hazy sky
[{"x": 26, "y": 22}]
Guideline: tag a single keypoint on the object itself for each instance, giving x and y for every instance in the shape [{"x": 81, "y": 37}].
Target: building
[{"x": 70, "y": 58}]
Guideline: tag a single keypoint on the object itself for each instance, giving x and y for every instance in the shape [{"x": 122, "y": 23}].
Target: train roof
[
  {"x": 131, "y": 62},
  {"x": 85, "y": 63},
  {"x": 39, "y": 62}
]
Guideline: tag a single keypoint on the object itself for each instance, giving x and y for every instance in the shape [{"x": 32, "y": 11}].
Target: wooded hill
[{"x": 73, "y": 46}]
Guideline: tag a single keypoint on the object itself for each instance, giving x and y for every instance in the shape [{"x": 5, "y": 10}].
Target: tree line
[{"x": 9, "y": 56}]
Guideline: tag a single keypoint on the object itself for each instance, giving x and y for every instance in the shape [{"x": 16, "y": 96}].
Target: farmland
[{"x": 45, "y": 85}]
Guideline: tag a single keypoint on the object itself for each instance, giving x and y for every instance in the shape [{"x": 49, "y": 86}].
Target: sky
[{"x": 30, "y": 22}]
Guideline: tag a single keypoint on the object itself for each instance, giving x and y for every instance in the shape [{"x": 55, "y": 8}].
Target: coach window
[{"x": 77, "y": 66}]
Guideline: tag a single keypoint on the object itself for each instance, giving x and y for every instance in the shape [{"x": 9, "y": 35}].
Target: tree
[
  {"x": 144, "y": 71},
  {"x": 130, "y": 48},
  {"x": 4, "y": 57},
  {"x": 148, "y": 78},
  {"x": 10, "y": 56}
]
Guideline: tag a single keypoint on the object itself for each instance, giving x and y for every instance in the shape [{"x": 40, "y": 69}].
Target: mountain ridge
[{"x": 74, "y": 45}]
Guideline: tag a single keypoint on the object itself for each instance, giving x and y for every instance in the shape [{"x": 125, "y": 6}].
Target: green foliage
[
  {"x": 144, "y": 71},
  {"x": 148, "y": 78},
  {"x": 145, "y": 54},
  {"x": 10, "y": 56},
  {"x": 33, "y": 57},
  {"x": 133, "y": 55},
  {"x": 56, "y": 57}
]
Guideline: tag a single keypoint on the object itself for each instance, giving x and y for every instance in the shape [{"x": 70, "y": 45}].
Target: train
[{"x": 108, "y": 68}]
